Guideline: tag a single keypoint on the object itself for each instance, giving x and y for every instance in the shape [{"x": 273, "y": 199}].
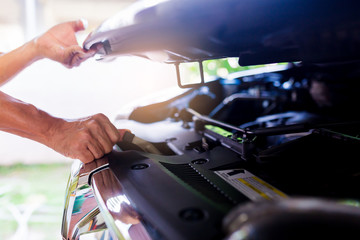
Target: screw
[
  {"x": 139, "y": 166},
  {"x": 199, "y": 161},
  {"x": 191, "y": 214}
]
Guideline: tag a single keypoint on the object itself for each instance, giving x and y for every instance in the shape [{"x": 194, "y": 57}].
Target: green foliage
[
  {"x": 24, "y": 185},
  {"x": 221, "y": 67},
  {"x": 25, "y": 181},
  {"x": 225, "y": 66}
]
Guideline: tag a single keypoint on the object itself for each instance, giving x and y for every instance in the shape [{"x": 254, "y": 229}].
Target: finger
[
  {"x": 74, "y": 56},
  {"x": 96, "y": 150},
  {"x": 110, "y": 130},
  {"x": 79, "y": 25},
  {"x": 80, "y": 57},
  {"x": 69, "y": 53},
  {"x": 76, "y": 60},
  {"x": 112, "y": 133},
  {"x": 90, "y": 53},
  {"x": 86, "y": 156},
  {"x": 86, "y": 54},
  {"x": 122, "y": 133},
  {"x": 108, "y": 136},
  {"x": 102, "y": 134},
  {"x": 103, "y": 140},
  {"x": 97, "y": 47}
]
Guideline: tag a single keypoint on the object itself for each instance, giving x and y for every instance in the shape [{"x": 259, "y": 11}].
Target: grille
[{"x": 199, "y": 183}]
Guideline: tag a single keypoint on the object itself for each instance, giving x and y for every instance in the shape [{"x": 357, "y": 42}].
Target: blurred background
[{"x": 32, "y": 176}]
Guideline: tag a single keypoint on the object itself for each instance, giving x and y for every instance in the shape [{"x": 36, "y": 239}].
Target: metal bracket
[{"x": 178, "y": 75}]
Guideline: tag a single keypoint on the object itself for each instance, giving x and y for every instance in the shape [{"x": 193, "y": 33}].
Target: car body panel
[{"x": 257, "y": 32}]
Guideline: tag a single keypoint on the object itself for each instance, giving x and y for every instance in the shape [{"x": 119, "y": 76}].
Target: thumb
[
  {"x": 80, "y": 56},
  {"x": 122, "y": 133},
  {"x": 70, "y": 53}
]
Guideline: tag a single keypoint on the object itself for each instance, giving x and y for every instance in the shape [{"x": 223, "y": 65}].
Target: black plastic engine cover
[{"x": 176, "y": 197}]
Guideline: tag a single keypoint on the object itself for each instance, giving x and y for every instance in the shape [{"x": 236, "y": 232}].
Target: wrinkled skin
[{"x": 86, "y": 139}]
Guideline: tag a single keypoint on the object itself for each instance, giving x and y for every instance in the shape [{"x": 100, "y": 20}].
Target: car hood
[{"x": 256, "y": 31}]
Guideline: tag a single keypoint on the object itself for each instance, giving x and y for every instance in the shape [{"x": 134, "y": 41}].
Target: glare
[
  {"x": 157, "y": 56},
  {"x": 239, "y": 234},
  {"x": 124, "y": 229},
  {"x": 222, "y": 72},
  {"x": 114, "y": 203},
  {"x": 233, "y": 62},
  {"x": 212, "y": 65}
]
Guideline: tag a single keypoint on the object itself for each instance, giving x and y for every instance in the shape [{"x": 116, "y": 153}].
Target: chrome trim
[
  {"x": 96, "y": 181},
  {"x": 91, "y": 222},
  {"x": 78, "y": 191},
  {"x": 121, "y": 218}
]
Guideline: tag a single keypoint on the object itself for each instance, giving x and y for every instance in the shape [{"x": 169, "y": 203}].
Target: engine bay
[{"x": 271, "y": 136}]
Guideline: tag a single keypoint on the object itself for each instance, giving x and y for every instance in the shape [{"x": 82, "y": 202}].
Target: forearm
[
  {"x": 85, "y": 139},
  {"x": 13, "y": 62},
  {"x": 26, "y": 120}
]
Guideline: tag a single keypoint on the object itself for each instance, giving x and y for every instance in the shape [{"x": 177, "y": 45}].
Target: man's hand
[
  {"x": 60, "y": 44},
  {"x": 85, "y": 139}
]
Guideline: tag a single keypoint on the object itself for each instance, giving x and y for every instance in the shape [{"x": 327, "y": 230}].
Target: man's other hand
[
  {"x": 60, "y": 44},
  {"x": 85, "y": 139}
]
